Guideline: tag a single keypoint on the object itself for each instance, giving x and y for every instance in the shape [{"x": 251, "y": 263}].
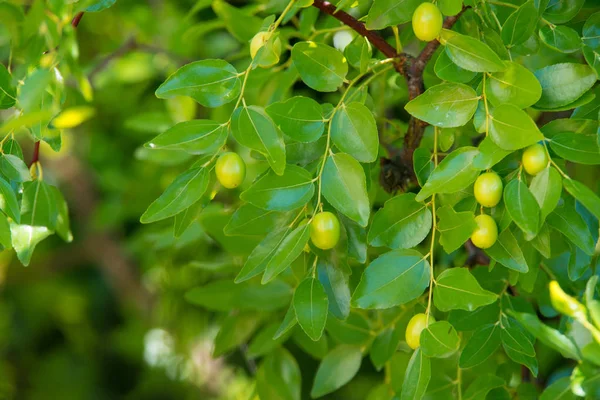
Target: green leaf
[
  {"x": 489, "y": 154},
  {"x": 484, "y": 342},
  {"x": 546, "y": 187},
  {"x": 512, "y": 128},
  {"x": 353, "y": 330},
  {"x": 337, "y": 368},
  {"x": 311, "y": 303},
  {"x": 253, "y": 128},
  {"x": 335, "y": 282},
  {"x": 561, "y": 38},
  {"x": 570, "y": 223},
  {"x": 439, "y": 340},
  {"x": 354, "y": 131},
  {"x": 289, "y": 321},
  {"x": 263, "y": 343},
  {"x": 14, "y": 168},
  {"x": 8, "y": 92},
  {"x": 249, "y": 220},
  {"x": 417, "y": 376},
  {"x": 359, "y": 53},
  {"x": 357, "y": 239},
  {"x": 8, "y": 201},
  {"x": 576, "y": 147},
  {"x": 394, "y": 278},
  {"x": 211, "y": 83},
  {"x": 457, "y": 288},
  {"x": 453, "y": 174},
  {"x": 582, "y": 194},
  {"x": 482, "y": 385},
  {"x": 235, "y": 330},
  {"x": 184, "y": 191},
  {"x": 446, "y": 105},
  {"x": 472, "y": 54},
  {"x": 446, "y": 70},
  {"x": 559, "y": 12},
  {"x": 402, "y": 223},
  {"x": 522, "y": 207},
  {"x": 232, "y": 17},
  {"x": 384, "y": 13},
  {"x": 344, "y": 186},
  {"x": 287, "y": 192},
  {"x": 262, "y": 254},
  {"x": 450, "y": 7},
  {"x": 507, "y": 252},
  {"x": 455, "y": 227},
  {"x": 38, "y": 205},
  {"x": 520, "y": 24},
  {"x": 287, "y": 251},
  {"x": 194, "y": 137},
  {"x": 279, "y": 377},
  {"x": 301, "y": 118},
  {"x": 550, "y": 337},
  {"x": 592, "y": 57},
  {"x": 384, "y": 346},
  {"x": 5, "y": 238},
  {"x": 471, "y": 320},
  {"x": 33, "y": 89},
  {"x": 25, "y": 238},
  {"x": 560, "y": 389},
  {"x": 422, "y": 164},
  {"x": 321, "y": 67},
  {"x": 517, "y": 341},
  {"x": 591, "y": 32},
  {"x": 515, "y": 85},
  {"x": 564, "y": 83}
]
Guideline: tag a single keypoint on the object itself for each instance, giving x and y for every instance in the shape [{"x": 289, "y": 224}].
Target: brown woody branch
[{"x": 410, "y": 67}]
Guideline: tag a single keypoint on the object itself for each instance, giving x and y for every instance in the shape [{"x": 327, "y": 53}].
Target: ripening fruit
[
  {"x": 259, "y": 41},
  {"x": 414, "y": 328},
  {"x": 563, "y": 303},
  {"x": 427, "y": 22},
  {"x": 486, "y": 233},
  {"x": 488, "y": 189},
  {"x": 535, "y": 159},
  {"x": 342, "y": 39},
  {"x": 230, "y": 170},
  {"x": 325, "y": 230}
]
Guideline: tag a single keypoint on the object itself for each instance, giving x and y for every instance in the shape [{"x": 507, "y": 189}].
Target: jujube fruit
[
  {"x": 535, "y": 159},
  {"x": 230, "y": 170},
  {"x": 427, "y": 22},
  {"x": 414, "y": 328},
  {"x": 488, "y": 189},
  {"x": 486, "y": 233},
  {"x": 325, "y": 230}
]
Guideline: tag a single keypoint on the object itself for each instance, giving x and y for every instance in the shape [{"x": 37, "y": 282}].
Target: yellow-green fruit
[
  {"x": 563, "y": 303},
  {"x": 414, "y": 328},
  {"x": 488, "y": 189},
  {"x": 230, "y": 170},
  {"x": 427, "y": 22},
  {"x": 535, "y": 159},
  {"x": 259, "y": 41},
  {"x": 325, "y": 230},
  {"x": 486, "y": 233}
]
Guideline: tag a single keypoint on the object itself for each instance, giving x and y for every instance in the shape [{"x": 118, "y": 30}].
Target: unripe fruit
[
  {"x": 535, "y": 159},
  {"x": 259, "y": 41},
  {"x": 486, "y": 233},
  {"x": 230, "y": 170},
  {"x": 565, "y": 304},
  {"x": 414, "y": 328},
  {"x": 325, "y": 230},
  {"x": 488, "y": 189},
  {"x": 427, "y": 22},
  {"x": 342, "y": 39}
]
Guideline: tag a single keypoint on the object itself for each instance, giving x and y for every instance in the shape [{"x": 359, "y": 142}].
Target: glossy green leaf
[
  {"x": 289, "y": 191},
  {"x": 335, "y": 282},
  {"x": 472, "y": 320},
  {"x": 253, "y": 128},
  {"x": 417, "y": 377},
  {"x": 484, "y": 342},
  {"x": 287, "y": 251},
  {"x": 559, "y": 12},
  {"x": 482, "y": 385},
  {"x": 235, "y": 330},
  {"x": 14, "y": 168},
  {"x": 520, "y": 24},
  {"x": 546, "y": 187},
  {"x": 232, "y": 17},
  {"x": 439, "y": 340},
  {"x": 25, "y": 238},
  {"x": 559, "y": 390},
  {"x": 457, "y": 288},
  {"x": 394, "y": 278},
  {"x": 311, "y": 303},
  {"x": 8, "y": 201},
  {"x": 472, "y": 54},
  {"x": 262, "y": 254},
  {"x": 210, "y": 82},
  {"x": 184, "y": 191},
  {"x": 422, "y": 164},
  {"x": 489, "y": 154},
  {"x": 455, "y": 227},
  {"x": 453, "y": 174},
  {"x": 301, "y": 118},
  {"x": 446, "y": 70},
  {"x": 8, "y": 92},
  {"x": 584, "y": 195},
  {"x": 356, "y": 237},
  {"x": 512, "y": 128},
  {"x": 384, "y": 346},
  {"x": 289, "y": 321},
  {"x": 344, "y": 186},
  {"x": 249, "y": 220},
  {"x": 515, "y": 85},
  {"x": 507, "y": 252},
  {"x": 450, "y": 7},
  {"x": 384, "y": 13},
  {"x": 193, "y": 137},
  {"x": 38, "y": 205},
  {"x": 354, "y": 131},
  {"x": 591, "y": 32},
  {"x": 561, "y": 38},
  {"x": 446, "y": 105},
  {"x": 359, "y": 53},
  {"x": 402, "y": 223},
  {"x": 337, "y": 368},
  {"x": 355, "y": 329},
  {"x": 570, "y": 223},
  {"x": 522, "y": 207},
  {"x": 321, "y": 67},
  {"x": 278, "y": 377},
  {"x": 564, "y": 83},
  {"x": 582, "y": 149}
]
